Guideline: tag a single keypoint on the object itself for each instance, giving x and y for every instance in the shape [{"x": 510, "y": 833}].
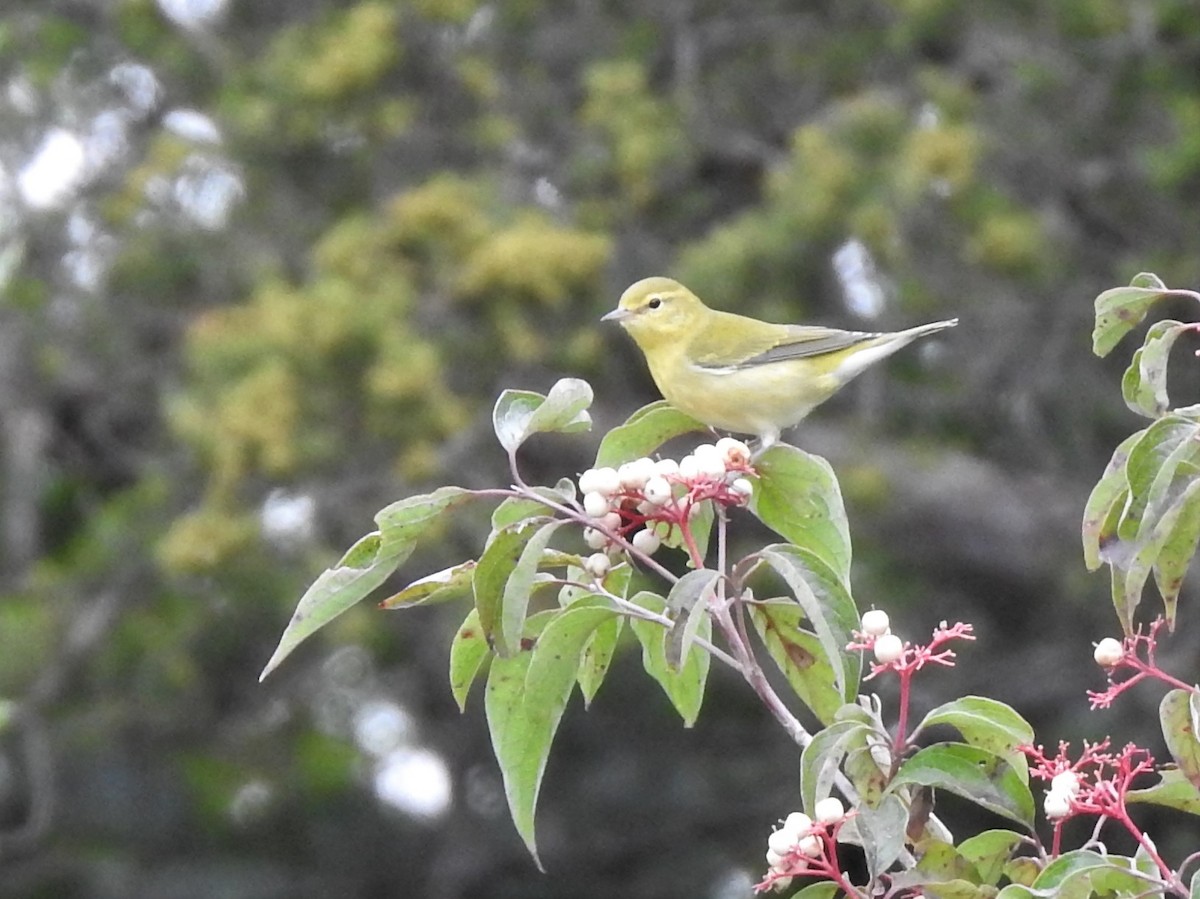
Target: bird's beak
[{"x": 617, "y": 315}]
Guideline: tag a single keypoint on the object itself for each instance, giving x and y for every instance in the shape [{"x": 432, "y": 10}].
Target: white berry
[
  {"x": 797, "y": 824},
  {"x": 597, "y": 565},
  {"x": 599, "y": 480},
  {"x": 666, "y": 467},
  {"x": 781, "y": 842},
  {"x": 775, "y": 859},
  {"x": 1056, "y": 805},
  {"x": 888, "y": 648},
  {"x": 810, "y": 845},
  {"x": 1108, "y": 652},
  {"x": 782, "y": 884},
  {"x": 657, "y": 490},
  {"x": 633, "y": 475},
  {"x": 596, "y": 504},
  {"x": 742, "y": 487},
  {"x": 828, "y": 810},
  {"x": 709, "y": 463},
  {"x": 875, "y": 622},
  {"x": 647, "y": 542},
  {"x": 689, "y": 468},
  {"x": 594, "y": 538},
  {"x": 733, "y": 451},
  {"x": 1066, "y": 782}
]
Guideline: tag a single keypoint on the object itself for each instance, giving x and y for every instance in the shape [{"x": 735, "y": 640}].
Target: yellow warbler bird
[{"x": 741, "y": 374}]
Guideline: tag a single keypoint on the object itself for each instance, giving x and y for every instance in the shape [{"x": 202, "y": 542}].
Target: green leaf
[
  {"x": 1109, "y": 491},
  {"x": 822, "y": 889},
  {"x": 519, "y": 414},
  {"x": 1083, "y": 873},
  {"x": 798, "y": 497},
  {"x": 989, "y": 852},
  {"x": 987, "y": 724},
  {"x": 977, "y": 775},
  {"x": 364, "y": 567},
  {"x": 799, "y": 655},
  {"x": 1173, "y": 790},
  {"x": 688, "y": 603},
  {"x": 598, "y": 656},
  {"x": 941, "y": 871},
  {"x": 1177, "y": 535},
  {"x": 880, "y": 832},
  {"x": 684, "y": 684},
  {"x": 526, "y": 696},
  {"x": 644, "y": 432},
  {"x": 496, "y": 565},
  {"x": 448, "y": 585},
  {"x": 1152, "y": 468},
  {"x": 1144, "y": 385},
  {"x": 826, "y": 602},
  {"x": 520, "y": 584},
  {"x": 822, "y": 757},
  {"x": 1179, "y": 712},
  {"x": 1121, "y": 309},
  {"x": 468, "y": 650},
  {"x": 518, "y": 508}
]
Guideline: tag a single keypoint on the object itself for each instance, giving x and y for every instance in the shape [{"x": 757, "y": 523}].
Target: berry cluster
[
  {"x": 644, "y": 500},
  {"x": 1096, "y": 784},
  {"x": 804, "y": 846}
]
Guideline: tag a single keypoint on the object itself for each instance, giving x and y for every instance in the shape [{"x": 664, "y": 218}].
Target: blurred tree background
[{"x": 264, "y": 268}]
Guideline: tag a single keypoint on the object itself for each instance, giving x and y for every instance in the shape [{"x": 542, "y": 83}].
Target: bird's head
[{"x": 657, "y": 310}]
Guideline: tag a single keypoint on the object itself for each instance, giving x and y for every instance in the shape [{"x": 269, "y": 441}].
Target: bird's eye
[{"x": 655, "y": 302}]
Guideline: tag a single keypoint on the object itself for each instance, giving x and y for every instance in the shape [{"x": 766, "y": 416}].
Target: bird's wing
[{"x": 734, "y": 342}]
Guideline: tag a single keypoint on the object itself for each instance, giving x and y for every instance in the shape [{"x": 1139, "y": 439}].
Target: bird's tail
[{"x": 880, "y": 346}]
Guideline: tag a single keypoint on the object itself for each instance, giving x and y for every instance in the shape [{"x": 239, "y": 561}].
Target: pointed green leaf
[
  {"x": 448, "y": 585},
  {"x": 644, "y": 432},
  {"x": 989, "y": 852},
  {"x": 798, "y": 497},
  {"x": 975, "y": 774},
  {"x": 826, "y": 602},
  {"x": 1144, "y": 385},
  {"x": 880, "y": 832},
  {"x": 1178, "y": 713},
  {"x": 526, "y": 696},
  {"x": 799, "y": 655},
  {"x": 822, "y": 758},
  {"x": 364, "y": 567},
  {"x": 1177, "y": 535},
  {"x": 1083, "y": 873},
  {"x": 519, "y": 414},
  {"x": 688, "y": 604},
  {"x": 987, "y": 724},
  {"x": 1151, "y": 468},
  {"x": 565, "y": 409},
  {"x": 1110, "y": 490},
  {"x": 407, "y": 519},
  {"x": 1173, "y": 790},
  {"x": 598, "y": 656},
  {"x": 1121, "y": 309},
  {"x": 468, "y": 650},
  {"x": 496, "y": 565},
  {"x": 684, "y": 685},
  {"x": 520, "y": 584}
]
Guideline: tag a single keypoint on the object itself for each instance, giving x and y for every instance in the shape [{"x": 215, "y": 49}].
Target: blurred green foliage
[{"x": 436, "y": 199}]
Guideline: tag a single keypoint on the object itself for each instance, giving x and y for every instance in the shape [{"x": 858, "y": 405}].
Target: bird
[{"x": 736, "y": 373}]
